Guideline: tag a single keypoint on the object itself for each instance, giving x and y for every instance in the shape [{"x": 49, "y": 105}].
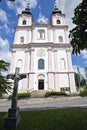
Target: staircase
[{"x": 38, "y": 93}]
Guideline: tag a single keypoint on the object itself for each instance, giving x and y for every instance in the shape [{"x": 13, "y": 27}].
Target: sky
[{"x": 41, "y": 10}]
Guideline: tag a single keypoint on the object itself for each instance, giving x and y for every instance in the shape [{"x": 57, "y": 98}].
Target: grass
[{"x": 61, "y": 119}]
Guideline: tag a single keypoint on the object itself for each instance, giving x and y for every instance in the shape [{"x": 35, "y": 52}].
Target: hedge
[
  {"x": 21, "y": 95},
  {"x": 47, "y": 94},
  {"x": 83, "y": 93}
]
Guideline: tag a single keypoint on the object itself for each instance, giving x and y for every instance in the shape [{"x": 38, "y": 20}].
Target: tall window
[
  {"x": 41, "y": 34},
  {"x": 60, "y": 39},
  {"x": 22, "y": 39},
  {"x": 58, "y": 21},
  {"x": 24, "y": 22},
  {"x": 40, "y": 64}
]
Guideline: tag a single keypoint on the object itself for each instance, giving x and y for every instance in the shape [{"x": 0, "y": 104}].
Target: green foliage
[
  {"x": 79, "y": 80},
  {"x": 5, "y": 85},
  {"x": 47, "y": 94},
  {"x": 78, "y": 34},
  {"x": 83, "y": 93},
  {"x": 21, "y": 95}
]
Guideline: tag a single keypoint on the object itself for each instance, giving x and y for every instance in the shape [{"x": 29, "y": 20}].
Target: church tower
[{"x": 42, "y": 52}]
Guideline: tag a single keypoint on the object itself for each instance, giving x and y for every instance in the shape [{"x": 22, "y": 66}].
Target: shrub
[
  {"x": 21, "y": 95},
  {"x": 83, "y": 93},
  {"x": 47, "y": 94}
]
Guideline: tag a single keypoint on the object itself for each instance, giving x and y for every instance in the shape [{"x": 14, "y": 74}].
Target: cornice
[
  {"x": 53, "y": 45},
  {"x": 41, "y": 26}
]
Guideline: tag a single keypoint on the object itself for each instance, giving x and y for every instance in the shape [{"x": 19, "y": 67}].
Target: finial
[
  {"x": 55, "y": 5},
  {"x": 56, "y": 10}
]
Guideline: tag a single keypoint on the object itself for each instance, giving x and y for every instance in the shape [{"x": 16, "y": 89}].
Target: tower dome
[
  {"x": 56, "y": 10},
  {"x": 27, "y": 10}
]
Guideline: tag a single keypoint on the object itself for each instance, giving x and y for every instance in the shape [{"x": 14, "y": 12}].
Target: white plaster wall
[
  {"x": 35, "y": 39},
  {"x": 21, "y": 33},
  {"x": 63, "y": 80},
  {"x": 50, "y": 35},
  {"x": 62, "y": 54},
  {"x": 58, "y": 17},
  {"x": 28, "y": 19},
  {"x": 57, "y": 33},
  {"x": 20, "y": 55},
  {"x": 43, "y": 57}
]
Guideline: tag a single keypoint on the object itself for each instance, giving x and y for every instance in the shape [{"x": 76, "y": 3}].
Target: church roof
[
  {"x": 56, "y": 10},
  {"x": 27, "y": 10}
]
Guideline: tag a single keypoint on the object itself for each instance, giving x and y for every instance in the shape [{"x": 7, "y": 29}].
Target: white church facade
[{"x": 43, "y": 54}]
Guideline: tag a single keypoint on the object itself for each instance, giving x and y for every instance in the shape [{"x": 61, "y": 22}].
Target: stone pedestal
[{"x": 13, "y": 118}]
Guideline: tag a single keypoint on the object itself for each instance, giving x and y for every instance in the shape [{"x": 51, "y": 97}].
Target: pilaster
[
  {"x": 26, "y": 64},
  {"x": 12, "y": 67},
  {"x": 55, "y": 59},
  {"x": 50, "y": 63},
  {"x": 71, "y": 73}
]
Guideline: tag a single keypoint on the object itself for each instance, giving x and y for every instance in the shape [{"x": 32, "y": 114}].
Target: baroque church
[{"x": 43, "y": 54}]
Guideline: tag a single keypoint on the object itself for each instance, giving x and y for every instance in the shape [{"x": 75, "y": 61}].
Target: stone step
[{"x": 38, "y": 93}]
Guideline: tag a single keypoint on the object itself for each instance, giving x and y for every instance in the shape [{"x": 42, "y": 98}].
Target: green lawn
[{"x": 61, "y": 119}]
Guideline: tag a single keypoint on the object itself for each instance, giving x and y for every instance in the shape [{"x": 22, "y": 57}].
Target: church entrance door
[{"x": 41, "y": 84}]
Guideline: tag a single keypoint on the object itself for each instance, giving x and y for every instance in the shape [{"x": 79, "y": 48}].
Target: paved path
[{"x": 45, "y": 103}]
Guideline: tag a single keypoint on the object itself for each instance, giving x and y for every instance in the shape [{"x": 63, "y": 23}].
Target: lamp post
[{"x": 13, "y": 118}]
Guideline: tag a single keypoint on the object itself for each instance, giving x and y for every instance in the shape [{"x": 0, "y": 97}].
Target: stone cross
[
  {"x": 13, "y": 118},
  {"x": 15, "y": 89}
]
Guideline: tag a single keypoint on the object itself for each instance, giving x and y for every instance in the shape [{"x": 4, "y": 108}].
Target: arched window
[
  {"x": 22, "y": 39},
  {"x": 40, "y": 64},
  {"x": 62, "y": 64},
  {"x": 60, "y": 39},
  {"x": 58, "y": 21},
  {"x": 24, "y": 22},
  {"x": 41, "y": 34}
]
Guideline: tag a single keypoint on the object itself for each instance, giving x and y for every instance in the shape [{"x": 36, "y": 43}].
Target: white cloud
[
  {"x": 5, "y": 53},
  {"x": 84, "y": 54},
  {"x": 19, "y": 5},
  {"x": 42, "y": 19},
  {"x": 67, "y": 7},
  {"x": 3, "y": 16}
]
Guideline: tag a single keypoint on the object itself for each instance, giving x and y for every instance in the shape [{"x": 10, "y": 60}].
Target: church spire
[
  {"x": 56, "y": 10},
  {"x": 27, "y": 10}
]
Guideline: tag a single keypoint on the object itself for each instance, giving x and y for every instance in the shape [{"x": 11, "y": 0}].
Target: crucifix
[{"x": 13, "y": 118}]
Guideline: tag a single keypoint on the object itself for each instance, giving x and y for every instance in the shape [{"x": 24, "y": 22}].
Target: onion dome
[
  {"x": 56, "y": 10},
  {"x": 27, "y": 10}
]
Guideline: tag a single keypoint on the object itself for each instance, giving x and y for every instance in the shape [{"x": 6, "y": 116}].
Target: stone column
[
  {"x": 50, "y": 70},
  {"x": 12, "y": 67},
  {"x": 31, "y": 72},
  {"x": 71, "y": 73},
  {"x": 50, "y": 35},
  {"x": 54, "y": 35},
  {"x": 56, "y": 79},
  {"x": 55, "y": 60},
  {"x": 32, "y": 59},
  {"x": 33, "y": 34},
  {"x": 50, "y": 60},
  {"x": 26, "y": 64}
]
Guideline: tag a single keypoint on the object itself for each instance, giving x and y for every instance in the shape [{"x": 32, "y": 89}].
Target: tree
[
  {"x": 78, "y": 35},
  {"x": 79, "y": 80},
  {"x": 5, "y": 85}
]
